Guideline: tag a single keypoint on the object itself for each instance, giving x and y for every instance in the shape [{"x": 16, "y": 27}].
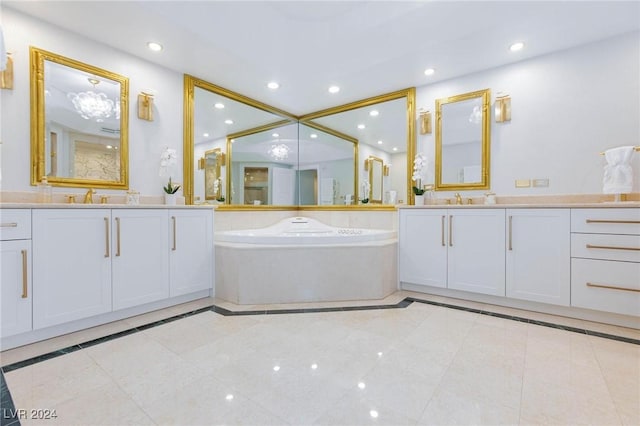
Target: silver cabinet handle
[
  {"x": 442, "y": 229},
  {"x": 450, "y": 230},
  {"x": 613, "y": 287},
  {"x": 117, "y": 236},
  {"x": 9, "y": 225},
  {"x": 24, "y": 275},
  {"x": 611, "y": 221},
  {"x": 591, "y": 246},
  {"x": 173, "y": 220},
  {"x": 106, "y": 237},
  {"x": 510, "y": 232}
]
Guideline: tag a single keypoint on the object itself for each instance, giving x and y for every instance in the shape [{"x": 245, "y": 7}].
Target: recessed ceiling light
[
  {"x": 115, "y": 147},
  {"x": 228, "y": 121},
  {"x": 361, "y": 126},
  {"x": 379, "y": 142},
  {"x": 275, "y": 135},
  {"x": 219, "y": 105},
  {"x": 334, "y": 89},
  {"x": 516, "y": 46},
  {"x": 313, "y": 136},
  {"x": 362, "y": 385},
  {"x": 374, "y": 414},
  {"x": 429, "y": 71},
  {"x": 229, "y": 397},
  {"x": 395, "y": 148},
  {"x": 374, "y": 113},
  {"x": 273, "y": 85},
  {"x": 314, "y": 366},
  {"x": 276, "y": 368},
  {"x": 109, "y": 146},
  {"x": 206, "y": 135},
  {"x": 156, "y": 47}
]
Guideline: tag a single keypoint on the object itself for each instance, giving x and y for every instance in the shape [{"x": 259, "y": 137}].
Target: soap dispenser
[{"x": 44, "y": 191}]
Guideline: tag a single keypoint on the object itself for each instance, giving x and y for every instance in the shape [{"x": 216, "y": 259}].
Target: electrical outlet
[
  {"x": 541, "y": 183},
  {"x": 523, "y": 183}
]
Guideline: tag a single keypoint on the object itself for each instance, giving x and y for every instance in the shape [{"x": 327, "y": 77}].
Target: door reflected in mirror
[
  {"x": 79, "y": 123},
  {"x": 463, "y": 141}
]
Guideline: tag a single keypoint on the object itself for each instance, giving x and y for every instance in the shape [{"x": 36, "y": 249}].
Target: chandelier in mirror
[
  {"x": 279, "y": 151},
  {"x": 91, "y": 105}
]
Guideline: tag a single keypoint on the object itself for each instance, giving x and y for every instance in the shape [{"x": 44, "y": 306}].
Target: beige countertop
[
  {"x": 99, "y": 206},
  {"x": 605, "y": 204}
]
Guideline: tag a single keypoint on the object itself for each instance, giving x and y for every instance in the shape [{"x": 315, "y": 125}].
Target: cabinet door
[
  {"x": 423, "y": 247},
  {"x": 476, "y": 250},
  {"x": 16, "y": 292},
  {"x": 538, "y": 255},
  {"x": 71, "y": 265},
  {"x": 191, "y": 260},
  {"x": 140, "y": 256}
]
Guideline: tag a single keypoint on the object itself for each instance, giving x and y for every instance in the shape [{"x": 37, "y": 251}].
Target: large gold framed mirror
[
  {"x": 384, "y": 128},
  {"x": 463, "y": 141},
  {"x": 277, "y": 160},
  {"x": 79, "y": 123}
]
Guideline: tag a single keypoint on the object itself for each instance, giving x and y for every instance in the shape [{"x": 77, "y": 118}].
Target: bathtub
[{"x": 300, "y": 259}]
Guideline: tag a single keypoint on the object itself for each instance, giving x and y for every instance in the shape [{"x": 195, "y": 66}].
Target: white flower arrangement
[{"x": 419, "y": 164}]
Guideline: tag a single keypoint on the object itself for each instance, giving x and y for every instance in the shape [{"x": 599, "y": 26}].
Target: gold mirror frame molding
[
  {"x": 485, "y": 95},
  {"x": 37, "y": 58},
  {"x": 191, "y": 82}
]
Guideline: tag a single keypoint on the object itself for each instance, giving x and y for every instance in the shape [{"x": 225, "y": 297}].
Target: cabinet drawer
[
  {"x": 15, "y": 224},
  {"x": 606, "y": 286},
  {"x": 606, "y": 246},
  {"x": 606, "y": 221}
]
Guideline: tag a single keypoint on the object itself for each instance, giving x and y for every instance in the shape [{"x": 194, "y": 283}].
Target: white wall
[
  {"x": 146, "y": 139},
  {"x": 566, "y": 108}
]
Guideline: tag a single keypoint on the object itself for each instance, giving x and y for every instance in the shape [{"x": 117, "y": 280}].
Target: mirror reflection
[
  {"x": 212, "y": 164},
  {"x": 79, "y": 124},
  {"x": 276, "y": 159},
  {"x": 376, "y": 183},
  {"x": 462, "y": 141}
]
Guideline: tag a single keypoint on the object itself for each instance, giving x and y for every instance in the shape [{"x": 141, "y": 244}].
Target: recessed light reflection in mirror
[
  {"x": 362, "y": 385},
  {"x": 314, "y": 366},
  {"x": 229, "y": 397},
  {"x": 374, "y": 414},
  {"x": 276, "y": 368}
]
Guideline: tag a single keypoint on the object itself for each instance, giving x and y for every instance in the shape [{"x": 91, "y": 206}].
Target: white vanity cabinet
[
  {"x": 191, "y": 253},
  {"x": 422, "y": 247},
  {"x": 15, "y": 272},
  {"x": 140, "y": 256},
  {"x": 460, "y": 249},
  {"x": 476, "y": 260},
  {"x": 538, "y": 255},
  {"x": 605, "y": 260},
  {"x": 71, "y": 265}
]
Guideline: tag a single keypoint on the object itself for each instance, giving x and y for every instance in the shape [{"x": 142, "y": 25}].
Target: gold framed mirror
[
  {"x": 79, "y": 123},
  {"x": 384, "y": 127},
  {"x": 463, "y": 141}
]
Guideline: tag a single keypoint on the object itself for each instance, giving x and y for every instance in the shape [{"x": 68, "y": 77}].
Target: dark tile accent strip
[
  {"x": 530, "y": 321},
  {"x": 222, "y": 311},
  {"x": 8, "y": 413}
]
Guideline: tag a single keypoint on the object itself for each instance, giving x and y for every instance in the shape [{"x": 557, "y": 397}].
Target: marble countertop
[
  {"x": 604, "y": 204},
  {"x": 100, "y": 206}
]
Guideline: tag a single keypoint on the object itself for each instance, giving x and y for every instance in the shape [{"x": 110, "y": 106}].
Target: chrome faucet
[
  {"x": 88, "y": 197},
  {"x": 458, "y": 198}
]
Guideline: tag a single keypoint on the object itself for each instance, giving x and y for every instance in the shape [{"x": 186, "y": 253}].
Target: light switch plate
[
  {"x": 540, "y": 183},
  {"x": 523, "y": 183}
]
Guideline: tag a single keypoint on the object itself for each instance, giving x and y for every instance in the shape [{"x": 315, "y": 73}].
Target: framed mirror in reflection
[
  {"x": 79, "y": 126},
  {"x": 463, "y": 141}
]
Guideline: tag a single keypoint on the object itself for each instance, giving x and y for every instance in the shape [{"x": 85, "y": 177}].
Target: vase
[
  {"x": 170, "y": 199},
  {"x": 419, "y": 200}
]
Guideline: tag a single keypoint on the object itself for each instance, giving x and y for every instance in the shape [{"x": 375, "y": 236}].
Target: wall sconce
[
  {"x": 425, "y": 122},
  {"x": 221, "y": 158},
  {"x": 366, "y": 164},
  {"x": 145, "y": 106},
  {"x": 6, "y": 76},
  {"x": 201, "y": 163},
  {"x": 502, "y": 107},
  {"x": 385, "y": 170}
]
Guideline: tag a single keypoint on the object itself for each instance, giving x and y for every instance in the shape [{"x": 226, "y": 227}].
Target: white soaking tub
[{"x": 303, "y": 260}]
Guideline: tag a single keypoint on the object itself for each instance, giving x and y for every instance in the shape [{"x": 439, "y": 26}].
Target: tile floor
[{"x": 418, "y": 365}]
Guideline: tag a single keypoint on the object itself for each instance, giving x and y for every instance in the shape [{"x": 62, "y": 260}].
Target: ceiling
[{"x": 365, "y": 47}]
